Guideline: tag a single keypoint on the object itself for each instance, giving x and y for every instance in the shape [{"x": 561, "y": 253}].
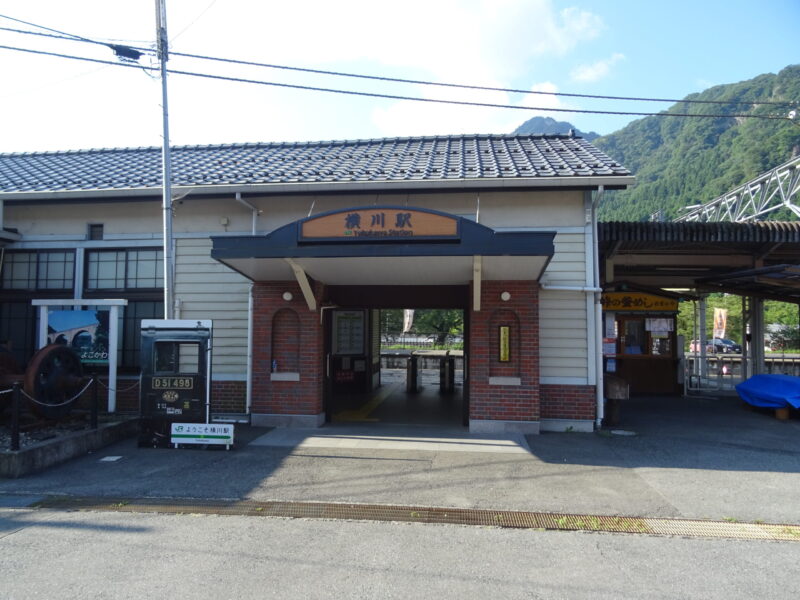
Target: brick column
[
  {"x": 289, "y": 333},
  {"x": 504, "y": 396}
]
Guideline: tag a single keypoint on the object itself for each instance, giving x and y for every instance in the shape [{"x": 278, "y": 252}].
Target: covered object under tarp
[{"x": 771, "y": 391}]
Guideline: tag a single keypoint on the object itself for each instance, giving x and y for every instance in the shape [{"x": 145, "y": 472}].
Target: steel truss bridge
[{"x": 755, "y": 200}]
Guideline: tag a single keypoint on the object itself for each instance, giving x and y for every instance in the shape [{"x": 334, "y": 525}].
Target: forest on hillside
[{"x": 680, "y": 161}]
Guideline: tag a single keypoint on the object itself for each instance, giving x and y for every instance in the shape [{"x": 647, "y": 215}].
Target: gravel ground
[{"x": 34, "y": 431}]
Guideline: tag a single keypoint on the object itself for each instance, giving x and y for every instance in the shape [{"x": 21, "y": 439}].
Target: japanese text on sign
[
  {"x": 387, "y": 223},
  {"x": 622, "y": 301},
  {"x": 505, "y": 354}
]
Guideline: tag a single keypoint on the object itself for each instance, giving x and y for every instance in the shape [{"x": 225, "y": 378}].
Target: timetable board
[{"x": 348, "y": 332}]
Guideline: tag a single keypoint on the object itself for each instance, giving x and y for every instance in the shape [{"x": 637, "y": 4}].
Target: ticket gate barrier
[
  {"x": 175, "y": 379},
  {"x": 447, "y": 374}
]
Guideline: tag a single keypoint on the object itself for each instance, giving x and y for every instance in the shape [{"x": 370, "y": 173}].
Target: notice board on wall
[{"x": 348, "y": 332}]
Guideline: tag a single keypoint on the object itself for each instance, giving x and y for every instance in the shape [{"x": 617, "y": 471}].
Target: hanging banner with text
[{"x": 720, "y": 322}]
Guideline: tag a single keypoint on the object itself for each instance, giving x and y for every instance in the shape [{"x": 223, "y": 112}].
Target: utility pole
[{"x": 166, "y": 165}]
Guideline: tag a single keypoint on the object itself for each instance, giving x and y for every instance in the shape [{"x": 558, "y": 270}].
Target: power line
[
  {"x": 70, "y": 37},
  {"x": 398, "y": 97},
  {"x": 196, "y": 19},
  {"x": 124, "y": 52},
  {"x": 473, "y": 87}
]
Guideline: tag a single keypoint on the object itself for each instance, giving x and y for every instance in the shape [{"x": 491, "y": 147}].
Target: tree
[
  {"x": 391, "y": 321},
  {"x": 439, "y": 322}
]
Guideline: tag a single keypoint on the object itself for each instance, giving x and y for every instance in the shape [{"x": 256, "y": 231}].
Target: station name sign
[
  {"x": 379, "y": 224},
  {"x": 620, "y": 301}
]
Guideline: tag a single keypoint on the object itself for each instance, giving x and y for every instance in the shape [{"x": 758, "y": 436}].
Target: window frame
[
  {"x": 131, "y": 293},
  {"x": 56, "y": 292}
]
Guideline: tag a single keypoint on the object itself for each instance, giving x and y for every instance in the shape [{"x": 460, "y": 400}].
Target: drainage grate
[{"x": 427, "y": 514}]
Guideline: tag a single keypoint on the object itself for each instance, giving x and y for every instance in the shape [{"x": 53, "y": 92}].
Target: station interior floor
[{"x": 390, "y": 403}]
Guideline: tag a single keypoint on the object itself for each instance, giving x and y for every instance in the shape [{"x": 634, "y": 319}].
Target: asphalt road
[
  {"x": 46, "y": 554},
  {"x": 692, "y": 458}
]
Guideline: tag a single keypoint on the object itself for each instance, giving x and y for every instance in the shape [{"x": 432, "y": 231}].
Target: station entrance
[
  {"x": 371, "y": 376},
  {"x": 319, "y": 285}
]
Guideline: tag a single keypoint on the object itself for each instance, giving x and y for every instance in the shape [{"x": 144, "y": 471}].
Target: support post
[
  {"x": 702, "y": 339},
  {"x": 95, "y": 401},
  {"x": 15, "y": 397},
  {"x": 477, "y": 264},
  {"x": 44, "y": 317},
  {"x": 757, "y": 335},
  {"x": 166, "y": 163},
  {"x": 113, "y": 337},
  {"x": 746, "y": 359}
]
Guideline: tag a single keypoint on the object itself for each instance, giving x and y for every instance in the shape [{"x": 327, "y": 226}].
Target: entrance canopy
[{"x": 387, "y": 245}]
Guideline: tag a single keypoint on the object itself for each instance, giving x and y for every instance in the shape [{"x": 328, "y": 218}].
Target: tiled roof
[{"x": 420, "y": 159}]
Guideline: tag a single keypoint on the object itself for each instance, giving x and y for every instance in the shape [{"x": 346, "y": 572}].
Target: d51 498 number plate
[{"x": 173, "y": 383}]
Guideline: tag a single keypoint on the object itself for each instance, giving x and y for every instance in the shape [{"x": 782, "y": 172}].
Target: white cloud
[
  {"x": 56, "y": 104},
  {"x": 411, "y": 118},
  {"x": 596, "y": 71},
  {"x": 472, "y": 40}
]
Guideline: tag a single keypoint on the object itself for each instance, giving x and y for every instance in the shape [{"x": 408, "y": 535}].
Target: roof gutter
[{"x": 592, "y": 182}]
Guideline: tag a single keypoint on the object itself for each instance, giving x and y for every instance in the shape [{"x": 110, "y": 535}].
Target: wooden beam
[
  {"x": 477, "y": 263},
  {"x": 305, "y": 286}
]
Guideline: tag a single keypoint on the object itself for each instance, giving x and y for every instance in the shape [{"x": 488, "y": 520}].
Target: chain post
[
  {"x": 95, "y": 402},
  {"x": 15, "y": 398}
]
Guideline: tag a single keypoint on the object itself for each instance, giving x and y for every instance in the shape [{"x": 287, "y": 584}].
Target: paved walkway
[
  {"x": 690, "y": 458},
  {"x": 401, "y": 438}
]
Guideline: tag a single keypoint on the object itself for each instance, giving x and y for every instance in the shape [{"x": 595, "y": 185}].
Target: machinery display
[{"x": 51, "y": 382}]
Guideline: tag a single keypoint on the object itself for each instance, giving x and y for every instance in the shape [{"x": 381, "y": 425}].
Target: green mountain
[
  {"x": 551, "y": 126},
  {"x": 682, "y": 161}
]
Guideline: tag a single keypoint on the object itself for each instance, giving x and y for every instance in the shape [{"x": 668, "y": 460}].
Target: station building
[{"x": 293, "y": 248}]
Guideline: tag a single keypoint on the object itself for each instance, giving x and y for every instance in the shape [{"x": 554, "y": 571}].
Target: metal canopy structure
[
  {"x": 779, "y": 282},
  {"x": 755, "y": 200},
  {"x": 699, "y": 256}
]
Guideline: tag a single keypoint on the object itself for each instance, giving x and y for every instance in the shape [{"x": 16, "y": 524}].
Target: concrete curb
[{"x": 52, "y": 452}]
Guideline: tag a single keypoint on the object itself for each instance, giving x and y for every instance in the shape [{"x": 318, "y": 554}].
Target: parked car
[
  {"x": 717, "y": 346},
  {"x": 727, "y": 346}
]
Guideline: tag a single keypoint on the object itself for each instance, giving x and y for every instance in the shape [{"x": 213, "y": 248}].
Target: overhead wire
[
  {"x": 396, "y": 96},
  {"x": 474, "y": 87},
  {"x": 71, "y": 37}
]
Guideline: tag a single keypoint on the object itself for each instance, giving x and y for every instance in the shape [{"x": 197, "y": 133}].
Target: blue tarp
[{"x": 771, "y": 391}]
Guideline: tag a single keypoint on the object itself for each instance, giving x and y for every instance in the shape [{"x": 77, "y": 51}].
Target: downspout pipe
[
  {"x": 598, "y": 311},
  {"x": 254, "y": 210},
  {"x": 596, "y": 343},
  {"x": 249, "y": 376}
]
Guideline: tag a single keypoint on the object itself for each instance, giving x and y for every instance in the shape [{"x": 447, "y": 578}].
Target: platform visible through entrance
[{"x": 392, "y": 404}]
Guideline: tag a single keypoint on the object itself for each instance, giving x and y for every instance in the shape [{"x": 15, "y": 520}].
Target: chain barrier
[
  {"x": 110, "y": 389},
  {"x": 47, "y": 404}
]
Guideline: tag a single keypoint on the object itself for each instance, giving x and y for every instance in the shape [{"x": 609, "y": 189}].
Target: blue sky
[{"x": 628, "y": 48}]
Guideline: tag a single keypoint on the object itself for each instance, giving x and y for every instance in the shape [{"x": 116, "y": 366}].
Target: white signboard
[{"x": 202, "y": 433}]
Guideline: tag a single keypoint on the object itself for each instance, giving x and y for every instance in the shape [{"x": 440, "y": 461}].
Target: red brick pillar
[
  {"x": 504, "y": 395},
  {"x": 288, "y": 333}
]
